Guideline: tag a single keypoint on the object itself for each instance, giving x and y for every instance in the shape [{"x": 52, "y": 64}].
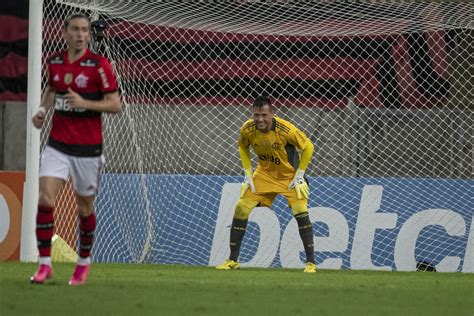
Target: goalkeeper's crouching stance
[{"x": 275, "y": 141}]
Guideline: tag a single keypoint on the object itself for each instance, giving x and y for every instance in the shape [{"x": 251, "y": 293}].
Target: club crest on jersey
[
  {"x": 68, "y": 78},
  {"x": 277, "y": 146},
  {"x": 81, "y": 81}
]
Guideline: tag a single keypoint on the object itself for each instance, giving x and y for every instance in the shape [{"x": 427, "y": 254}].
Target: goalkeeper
[{"x": 275, "y": 142}]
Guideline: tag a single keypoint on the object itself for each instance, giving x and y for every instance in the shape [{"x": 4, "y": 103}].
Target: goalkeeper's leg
[
  {"x": 305, "y": 228},
  {"x": 306, "y": 233},
  {"x": 237, "y": 231}
]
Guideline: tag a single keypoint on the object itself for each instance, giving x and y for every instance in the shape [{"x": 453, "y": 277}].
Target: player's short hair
[
  {"x": 261, "y": 101},
  {"x": 76, "y": 15}
]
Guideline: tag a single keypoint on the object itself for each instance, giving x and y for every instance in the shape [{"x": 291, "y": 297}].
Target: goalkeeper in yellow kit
[{"x": 280, "y": 170}]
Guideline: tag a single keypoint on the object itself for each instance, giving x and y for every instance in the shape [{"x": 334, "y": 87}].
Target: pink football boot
[
  {"x": 79, "y": 276},
  {"x": 43, "y": 273}
]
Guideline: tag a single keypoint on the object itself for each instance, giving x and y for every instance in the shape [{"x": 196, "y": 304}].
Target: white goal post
[{"x": 382, "y": 88}]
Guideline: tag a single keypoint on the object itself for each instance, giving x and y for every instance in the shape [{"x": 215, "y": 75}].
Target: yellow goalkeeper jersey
[{"x": 276, "y": 150}]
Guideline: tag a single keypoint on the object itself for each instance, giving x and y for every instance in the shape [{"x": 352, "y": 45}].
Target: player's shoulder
[
  {"x": 93, "y": 60},
  {"x": 283, "y": 126},
  {"x": 248, "y": 126}
]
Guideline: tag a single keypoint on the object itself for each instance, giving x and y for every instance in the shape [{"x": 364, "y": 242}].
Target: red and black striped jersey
[{"x": 78, "y": 132}]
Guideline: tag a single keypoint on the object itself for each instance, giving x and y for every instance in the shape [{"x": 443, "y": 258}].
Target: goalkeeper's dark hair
[
  {"x": 77, "y": 15},
  {"x": 261, "y": 101}
]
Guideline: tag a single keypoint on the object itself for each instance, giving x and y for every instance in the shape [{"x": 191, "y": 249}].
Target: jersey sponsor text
[{"x": 61, "y": 104}]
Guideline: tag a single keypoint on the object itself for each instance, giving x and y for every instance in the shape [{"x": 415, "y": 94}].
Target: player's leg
[
  {"x": 87, "y": 225},
  {"x": 244, "y": 207},
  {"x": 305, "y": 229},
  {"x": 85, "y": 173},
  {"x": 53, "y": 173},
  {"x": 299, "y": 208},
  {"x": 239, "y": 225}
]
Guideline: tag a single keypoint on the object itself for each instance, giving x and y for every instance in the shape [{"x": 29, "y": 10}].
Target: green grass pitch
[{"x": 150, "y": 289}]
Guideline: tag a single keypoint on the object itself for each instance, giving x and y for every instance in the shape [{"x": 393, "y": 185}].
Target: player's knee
[
  {"x": 85, "y": 205},
  {"x": 298, "y": 209},
  {"x": 46, "y": 199},
  {"x": 242, "y": 210},
  {"x": 85, "y": 211}
]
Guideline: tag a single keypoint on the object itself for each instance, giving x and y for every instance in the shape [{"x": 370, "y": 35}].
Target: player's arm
[
  {"x": 306, "y": 155},
  {"x": 244, "y": 152},
  {"x": 299, "y": 182},
  {"x": 47, "y": 101},
  {"x": 110, "y": 103}
]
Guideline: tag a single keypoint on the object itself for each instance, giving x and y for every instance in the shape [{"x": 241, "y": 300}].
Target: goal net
[{"x": 383, "y": 90}]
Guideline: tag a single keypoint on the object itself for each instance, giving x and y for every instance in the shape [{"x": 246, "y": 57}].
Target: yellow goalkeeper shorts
[{"x": 267, "y": 188}]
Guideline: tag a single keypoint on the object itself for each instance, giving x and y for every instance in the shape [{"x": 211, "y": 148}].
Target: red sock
[
  {"x": 44, "y": 229},
  {"x": 86, "y": 237}
]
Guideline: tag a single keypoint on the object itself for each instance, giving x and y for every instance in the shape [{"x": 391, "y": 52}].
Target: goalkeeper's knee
[
  {"x": 243, "y": 209},
  {"x": 298, "y": 208}
]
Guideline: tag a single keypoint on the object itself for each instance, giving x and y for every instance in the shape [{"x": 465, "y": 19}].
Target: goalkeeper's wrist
[
  {"x": 299, "y": 173},
  {"x": 248, "y": 172}
]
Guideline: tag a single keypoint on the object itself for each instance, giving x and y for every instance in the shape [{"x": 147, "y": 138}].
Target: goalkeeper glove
[
  {"x": 300, "y": 185},
  {"x": 248, "y": 182}
]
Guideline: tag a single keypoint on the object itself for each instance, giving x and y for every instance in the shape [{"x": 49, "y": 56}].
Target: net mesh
[{"x": 382, "y": 89}]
